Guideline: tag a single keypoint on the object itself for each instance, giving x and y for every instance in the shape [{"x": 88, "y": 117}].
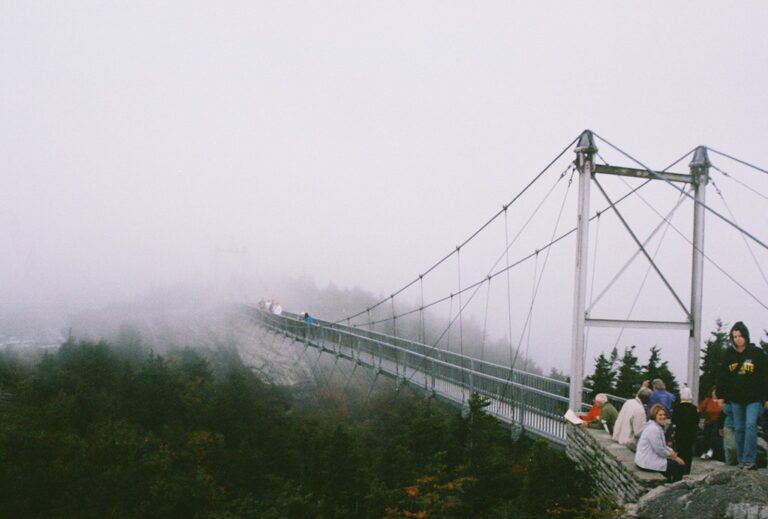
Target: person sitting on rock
[
  {"x": 653, "y": 454},
  {"x": 602, "y": 415},
  {"x": 661, "y": 396},
  {"x": 631, "y": 420}
]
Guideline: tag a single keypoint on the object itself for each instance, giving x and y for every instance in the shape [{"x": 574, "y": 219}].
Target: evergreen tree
[
  {"x": 630, "y": 374},
  {"x": 614, "y": 358},
  {"x": 712, "y": 356},
  {"x": 604, "y": 376},
  {"x": 559, "y": 375}
]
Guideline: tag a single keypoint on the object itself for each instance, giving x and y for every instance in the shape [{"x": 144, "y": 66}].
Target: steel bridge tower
[{"x": 698, "y": 177}]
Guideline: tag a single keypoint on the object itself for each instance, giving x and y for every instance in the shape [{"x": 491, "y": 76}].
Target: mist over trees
[
  {"x": 622, "y": 375},
  {"x": 334, "y": 304},
  {"x": 99, "y": 429}
]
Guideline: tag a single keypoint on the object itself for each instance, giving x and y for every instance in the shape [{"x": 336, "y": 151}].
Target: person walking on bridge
[{"x": 743, "y": 383}]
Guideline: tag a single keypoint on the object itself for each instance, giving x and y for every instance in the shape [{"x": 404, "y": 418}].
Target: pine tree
[
  {"x": 603, "y": 378},
  {"x": 630, "y": 375},
  {"x": 712, "y": 356},
  {"x": 614, "y": 358},
  {"x": 559, "y": 375}
]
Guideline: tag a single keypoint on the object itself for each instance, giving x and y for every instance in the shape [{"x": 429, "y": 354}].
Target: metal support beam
[
  {"x": 642, "y": 249},
  {"x": 585, "y": 151},
  {"x": 700, "y": 173},
  {"x": 642, "y": 173},
  {"x": 629, "y": 323}
]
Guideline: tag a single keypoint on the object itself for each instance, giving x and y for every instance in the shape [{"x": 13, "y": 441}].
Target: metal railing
[{"x": 533, "y": 402}]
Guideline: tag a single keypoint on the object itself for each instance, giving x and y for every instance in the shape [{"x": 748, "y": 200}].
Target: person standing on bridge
[{"x": 743, "y": 383}]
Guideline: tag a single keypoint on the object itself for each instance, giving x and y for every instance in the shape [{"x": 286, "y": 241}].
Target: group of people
[
  {"x": 731, "y": 412},
  {"x": 275, "y": 308},
  {"x": 271, "y": 306}
]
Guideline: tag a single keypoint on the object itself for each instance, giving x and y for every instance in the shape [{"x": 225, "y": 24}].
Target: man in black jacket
[{"x": 744, "y": 383}]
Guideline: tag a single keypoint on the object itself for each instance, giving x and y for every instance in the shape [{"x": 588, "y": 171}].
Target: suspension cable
[
  {"x": 647, "y": 270},
  {"x": 421, "y": 311},
  {"x": 461, "y": 320},
  {"x": 639, "y": 244},
  {"x": 519, "y": 261},
  {"x": 665, "y": 219},
  {"x": 522, "y": 260},
  {"x": 541, "y": 276},
  {"x": 533, "y": 296},
  {"x": 478, "y": 231},
  {"x": 485, "y": 321},
  {"x": 509, "y": 244},
  {"x": 592, "y": 282},
  {"x": 509, "y": 288},
  {"x": 739, "y": 182},
  {"x": 713, "y": 262},
  {"x": 738, "y": 160},
  {"x": 477, "y": 286},
  {"x": 749, "y": 247},
  {"x": 705, "y": 206}
]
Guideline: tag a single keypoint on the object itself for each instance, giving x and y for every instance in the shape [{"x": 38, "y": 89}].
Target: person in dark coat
[
  {"x": 686, "y": 423},
  {"x": 743, "y": 382}
]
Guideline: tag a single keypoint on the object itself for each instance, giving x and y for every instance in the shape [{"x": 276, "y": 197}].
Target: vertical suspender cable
[
  {"x": 746, "y": 242},
  {"x": 485, "y": 320},
  {"x": 422, "y": 334},
  {"x": 509, "y": 289},
  {"x": 461, "y": 328},
  {"x": 530, "y": 316},
  {"x": 421, "y": 311},
  {"x": 394, "y": 334},
  {"x": 592, "y": 282}
]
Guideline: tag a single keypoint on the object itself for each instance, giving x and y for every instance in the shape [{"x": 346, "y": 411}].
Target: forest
[
  {"x": 621, "y": 375},
  {"x": 97, "y": 429}
]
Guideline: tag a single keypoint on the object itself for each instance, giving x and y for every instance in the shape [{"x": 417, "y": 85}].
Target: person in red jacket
[
  {"x": 594, "y": 413},
  {"x": 711, "y": 408}
]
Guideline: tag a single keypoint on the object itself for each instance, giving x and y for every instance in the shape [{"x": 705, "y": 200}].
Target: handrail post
[{"x": 471, "y": 376}]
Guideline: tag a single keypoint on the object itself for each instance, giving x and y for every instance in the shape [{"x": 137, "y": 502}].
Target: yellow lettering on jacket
[
  {"x": 732, "y": 366},
  {"x": 747, "y": 367}
]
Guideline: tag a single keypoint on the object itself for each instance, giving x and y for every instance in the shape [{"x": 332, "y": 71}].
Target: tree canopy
[{"x": 96, "y": 430}]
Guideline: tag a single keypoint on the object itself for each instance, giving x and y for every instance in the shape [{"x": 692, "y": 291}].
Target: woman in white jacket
[{"x": 652, "y": 453}]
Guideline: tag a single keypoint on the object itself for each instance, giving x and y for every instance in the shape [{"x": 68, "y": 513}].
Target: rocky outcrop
[
  {"x": 728, "y": 493},
  {"x": 712, "y": 490}
]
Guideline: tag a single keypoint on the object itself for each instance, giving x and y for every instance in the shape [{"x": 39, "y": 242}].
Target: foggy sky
[{"x": 358, "y": 142}]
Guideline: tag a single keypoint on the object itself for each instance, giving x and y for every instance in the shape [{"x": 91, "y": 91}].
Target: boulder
[{"x": 731, "y": 493}]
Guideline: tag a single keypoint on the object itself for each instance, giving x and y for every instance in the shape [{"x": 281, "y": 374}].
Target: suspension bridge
[{"x": 393, "y": 340}]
